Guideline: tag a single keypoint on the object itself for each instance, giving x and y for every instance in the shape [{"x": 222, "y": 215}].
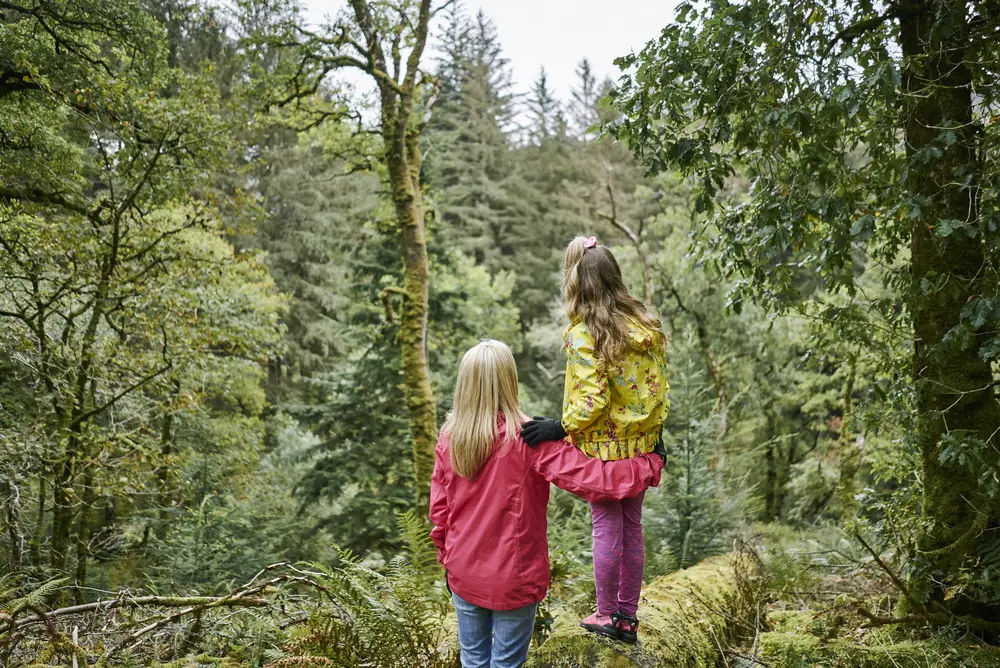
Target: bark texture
[{"x": 954, "y": 386}]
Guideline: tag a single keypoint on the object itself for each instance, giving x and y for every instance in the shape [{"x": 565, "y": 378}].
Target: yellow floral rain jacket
[{"x": 614, "y": 412}]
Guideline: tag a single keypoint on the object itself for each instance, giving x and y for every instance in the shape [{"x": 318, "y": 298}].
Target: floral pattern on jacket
[{"x": 618, "y": 412}]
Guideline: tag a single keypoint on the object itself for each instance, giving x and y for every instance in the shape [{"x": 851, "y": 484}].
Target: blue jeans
[{"x": 494, "y": 638}]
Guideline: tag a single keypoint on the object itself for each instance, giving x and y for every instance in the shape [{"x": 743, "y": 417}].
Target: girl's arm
[
  {"x": 593, "y": 479},
  {"x": 586, "y": 387},
  {"x": 439, "y": 501}
]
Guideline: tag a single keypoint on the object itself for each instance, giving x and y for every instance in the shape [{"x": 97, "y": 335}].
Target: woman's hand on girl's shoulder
[{"x": 541, "y": 429}]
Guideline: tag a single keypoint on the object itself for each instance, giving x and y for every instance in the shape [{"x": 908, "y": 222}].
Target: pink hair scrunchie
[{"x": 590, "y": 243}]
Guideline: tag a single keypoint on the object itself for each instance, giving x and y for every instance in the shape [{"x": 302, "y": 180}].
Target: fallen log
[
  {"x": 684, "y": 623},
  {"x": 801, "y": 650}
]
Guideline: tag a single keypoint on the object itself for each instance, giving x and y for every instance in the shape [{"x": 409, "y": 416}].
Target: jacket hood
[{"x": 640, "y": 337}]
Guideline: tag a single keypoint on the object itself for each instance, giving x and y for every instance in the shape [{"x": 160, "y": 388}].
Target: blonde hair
[
  {"x": 486, "y": 387},
  {"x": 595, "y": 293}
]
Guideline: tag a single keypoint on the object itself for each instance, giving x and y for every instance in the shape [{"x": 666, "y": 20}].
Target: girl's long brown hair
[{"x": 595, "y": 293}]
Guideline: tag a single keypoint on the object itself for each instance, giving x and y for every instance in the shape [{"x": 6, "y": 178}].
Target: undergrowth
[
  {"x": 392, "y": 618},
  {"x": 834, "y": 602}
]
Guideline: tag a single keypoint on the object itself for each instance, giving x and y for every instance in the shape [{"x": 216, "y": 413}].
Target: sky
[{"x": 559, "y": 33}]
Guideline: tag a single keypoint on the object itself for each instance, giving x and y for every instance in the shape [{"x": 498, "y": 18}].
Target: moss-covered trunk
[
  {"x": 14, "y": 525},
  {"x": 956, "y": 406},
  {"x": 63, "y": 494},
  {"x": 404, "y": 171},
  {"x": 399, "y": 87}
]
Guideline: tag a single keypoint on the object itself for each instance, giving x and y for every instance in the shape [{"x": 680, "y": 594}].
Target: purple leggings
[{"x": 619, "y": 554}]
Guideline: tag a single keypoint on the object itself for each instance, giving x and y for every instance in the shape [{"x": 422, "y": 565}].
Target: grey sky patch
[{"x": 558, "y": 33}]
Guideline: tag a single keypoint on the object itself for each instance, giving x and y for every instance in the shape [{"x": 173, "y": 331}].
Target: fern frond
[
  {"x": 420, "y": 549},
  {"x": 33, "y": 598}
]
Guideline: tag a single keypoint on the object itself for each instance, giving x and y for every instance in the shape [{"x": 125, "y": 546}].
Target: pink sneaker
[{"x": 600, "y": 624}]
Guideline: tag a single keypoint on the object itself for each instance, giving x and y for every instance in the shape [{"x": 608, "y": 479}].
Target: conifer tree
[
  {"x": 585, "y": 97},
  {"x": 543, "y": 109},
  {"x": 468, "y": 147}
]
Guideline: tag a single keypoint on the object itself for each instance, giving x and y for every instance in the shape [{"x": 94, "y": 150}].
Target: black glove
[
  {"x": 660, "y": 451},
  {"x": 446, "y": 585},
  {"x": 542, "y": 429}
]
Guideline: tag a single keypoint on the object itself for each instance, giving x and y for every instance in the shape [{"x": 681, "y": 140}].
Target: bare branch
[{"x": 549, "y": 374}]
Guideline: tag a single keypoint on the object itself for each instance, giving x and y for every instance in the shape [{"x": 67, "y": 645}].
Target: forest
[{"x": 242, "y": 255}]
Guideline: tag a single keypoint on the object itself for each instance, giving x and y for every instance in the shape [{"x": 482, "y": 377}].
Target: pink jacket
[{"x": 490, "y": 532}]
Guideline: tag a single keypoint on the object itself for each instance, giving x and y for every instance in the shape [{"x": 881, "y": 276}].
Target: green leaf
[
  {"x": 948, "y": 226},
  {"x": 863, "y": 228},
  {"x": 979, "y": 311}
]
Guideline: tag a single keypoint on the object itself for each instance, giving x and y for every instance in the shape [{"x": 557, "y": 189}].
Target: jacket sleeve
[
  {"x": 439, "y": 501},
  {"x": 593, "y": 479},
  {"x": 586, "y": 393}
]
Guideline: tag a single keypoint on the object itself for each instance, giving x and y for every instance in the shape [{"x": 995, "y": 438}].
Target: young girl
[
  {"x": 614, "y": 406},
  {"x": 488, "y": 497}
]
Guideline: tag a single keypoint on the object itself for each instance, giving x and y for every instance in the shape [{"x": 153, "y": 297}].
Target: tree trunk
[
  {"x": 63, "y": 488},
  {"x": 404, "y": 169},
  {"x": 14, "y": 525},
  {"x": 165, "y": 492},
  {"x": 953, "y": 385},
  {"x": 850, "y": 455},
  {"x": 75, "y": 413},
  {"x": 63, "y": 493},
  {"x": 771, "y": 486},
  {"x": 83, "y": 533},
  {"x": 398, "y": 92},
  {"x": 783, "y": 474},
  {"x": 62, "y": 515},
  {"x": 36, "y": 537}
]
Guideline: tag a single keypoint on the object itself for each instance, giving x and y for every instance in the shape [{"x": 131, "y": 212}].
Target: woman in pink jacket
[{"x": 489, "y": 494}]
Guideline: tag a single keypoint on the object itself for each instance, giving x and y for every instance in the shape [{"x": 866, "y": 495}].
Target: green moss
[
  {"x": 680, "y": 630},
  {"x": 799, "y": 650},
  {"x": 678, "y": 626},
  {"x": 792, "y": 621}
]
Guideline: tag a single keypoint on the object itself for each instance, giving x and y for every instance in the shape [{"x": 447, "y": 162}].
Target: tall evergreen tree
[
  {"x": 543, "y": 110},
  {"x": 468, "y": 148},
  {"x": 585, "y": 96}
]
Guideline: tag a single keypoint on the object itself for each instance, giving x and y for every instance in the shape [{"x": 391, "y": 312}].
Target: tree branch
[
  {"x": 99, "y": 409},
  {"x": 855, "y": 30},
  {"x": 138, "y": 601},
  {"x": 549, "y": 374},
  {"x": 43, "y": 198}
]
